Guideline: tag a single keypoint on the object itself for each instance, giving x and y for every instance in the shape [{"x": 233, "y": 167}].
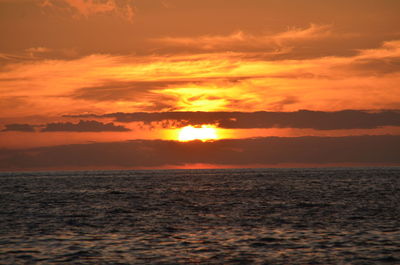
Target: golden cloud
[
  {"x": 203, "y": 82},
  {"x": 279, "y": 42}
]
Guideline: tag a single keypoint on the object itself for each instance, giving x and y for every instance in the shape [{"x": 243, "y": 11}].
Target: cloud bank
[
  {"x": 81, "y": 126},
  {"x": 319, "y": 120},
  {"x": 19, "y": 128},
  {"x": 156, "y": 153}
]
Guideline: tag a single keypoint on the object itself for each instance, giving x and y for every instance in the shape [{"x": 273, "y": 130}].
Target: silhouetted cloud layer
[
  {"x": 319, "y": 120},
  {"x": 19, "y": 128},
  {"x": 83, "y": 126},
  {"x": 157, "y": 153}
]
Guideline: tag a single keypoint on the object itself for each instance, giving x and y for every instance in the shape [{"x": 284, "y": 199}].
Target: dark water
[{"x": 303, "y": 216}]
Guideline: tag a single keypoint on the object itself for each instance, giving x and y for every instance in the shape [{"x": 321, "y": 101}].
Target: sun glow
[{"x": 203, "y": 133}]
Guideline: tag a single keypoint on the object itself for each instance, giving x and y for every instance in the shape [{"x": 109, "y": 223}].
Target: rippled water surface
[{"x": 263, "y": 216}]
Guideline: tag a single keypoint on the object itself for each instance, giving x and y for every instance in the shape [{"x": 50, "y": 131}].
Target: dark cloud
[
  {"x": 116, "y": 90},
  {"x": 279, "y": 105},
  {"x": 19, "y": 128},
  {"x": 111, "y": 90},
  {"x": 155, "y": 153},
  {"x": 83, "y": 126},
  {"x": 319, "y": 120}
]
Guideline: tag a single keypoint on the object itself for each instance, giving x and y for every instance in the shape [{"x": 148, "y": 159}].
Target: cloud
[
  {"x": 19, "y": 128},
  {"x": 89, "y": 7},
  {"x": 103, "y": 83},
  {"x": 313, "y": 32},
  {"x": 379, "y": 61},
  {"x": 275, "y": 44},
  {"x": 38, "y": 50},
  {"x": 86, "y": 8},
  {"x": 280, "y": 104},
  {"x": 376, "y": 66},
  {"x": 165, "y": 95},
  {"x": 121, "y": 90},
  {"x": 13, "y": 102},
  {"x": 83, "y": 126},
  {"x": 319, "y": 120},
  {"x": 389, "y": 49},
  {"x": 156, "y": 153},
  {"x": 34, "y": 54}
]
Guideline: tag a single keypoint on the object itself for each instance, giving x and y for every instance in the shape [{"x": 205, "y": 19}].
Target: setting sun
[{"x": 203, "y": 133}]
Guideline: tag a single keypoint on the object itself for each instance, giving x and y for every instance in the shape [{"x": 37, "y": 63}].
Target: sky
[{"x": 133, "y": 84}]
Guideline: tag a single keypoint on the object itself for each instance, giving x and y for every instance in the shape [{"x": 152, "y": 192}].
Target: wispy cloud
[
  {"x": 37, "y": 54},
  {"x": 313, "y": 32},
  {"x": 389, "y": 49},
  {"x": 278, "y": 43},
  {"x": 385, "y": 60}
]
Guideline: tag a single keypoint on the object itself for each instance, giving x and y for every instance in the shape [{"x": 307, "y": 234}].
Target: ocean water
[{"x": 248, "y": 216}]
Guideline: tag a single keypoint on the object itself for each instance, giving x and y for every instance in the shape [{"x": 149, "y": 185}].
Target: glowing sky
[{"x": 71, "y": 69}]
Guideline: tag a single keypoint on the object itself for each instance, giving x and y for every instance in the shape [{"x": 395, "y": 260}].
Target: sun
[{"x": 203, "y": 133}]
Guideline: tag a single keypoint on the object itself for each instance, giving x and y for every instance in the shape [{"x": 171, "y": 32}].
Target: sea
[{"x": 230, "y": 216}]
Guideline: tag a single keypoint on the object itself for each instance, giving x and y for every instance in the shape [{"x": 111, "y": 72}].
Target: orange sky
[{"x": 73, "y": 58}]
